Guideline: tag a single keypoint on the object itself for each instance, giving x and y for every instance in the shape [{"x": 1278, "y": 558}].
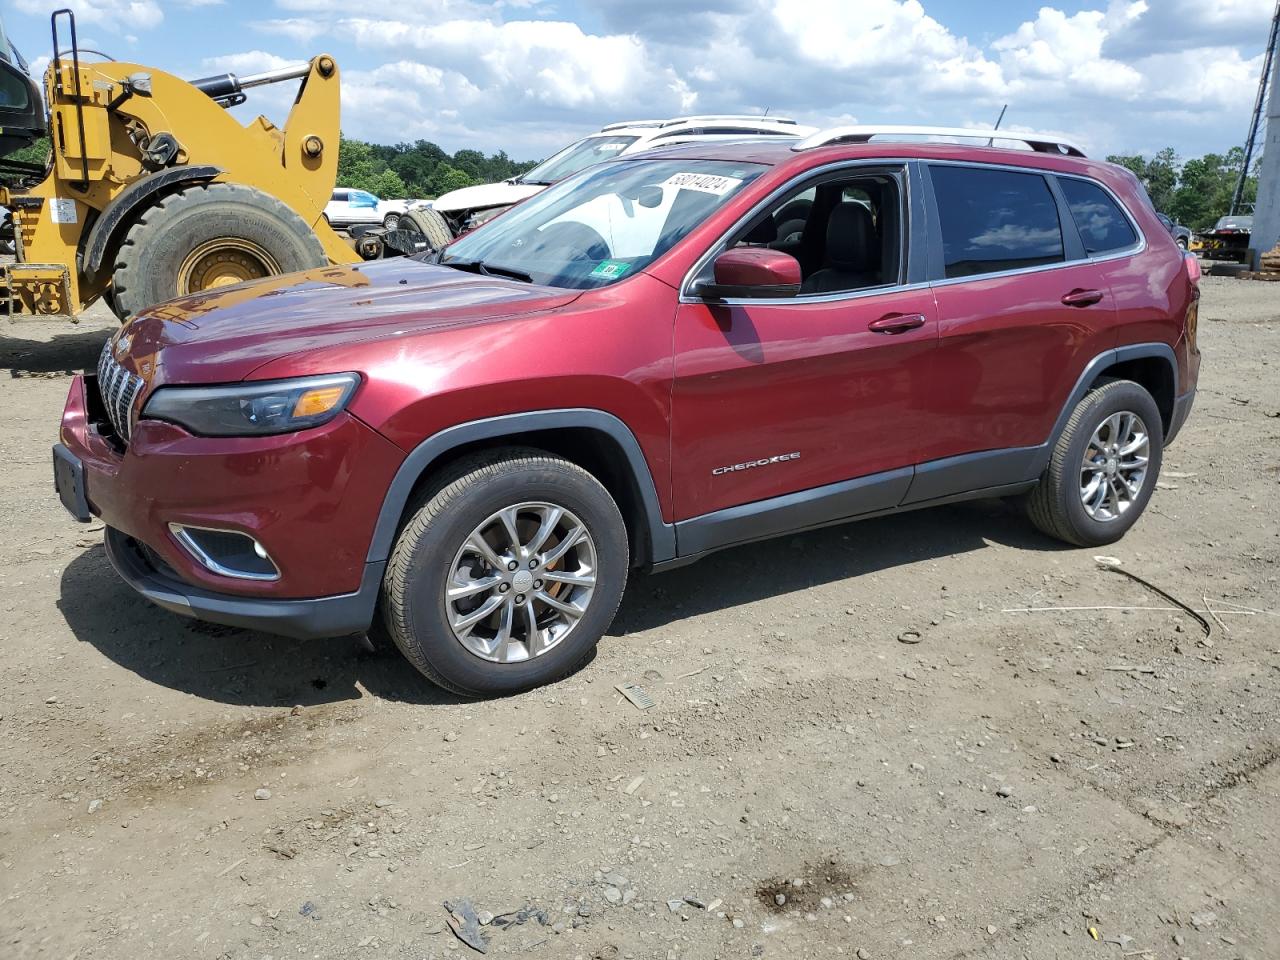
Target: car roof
[{"x": 775, "y": 151}]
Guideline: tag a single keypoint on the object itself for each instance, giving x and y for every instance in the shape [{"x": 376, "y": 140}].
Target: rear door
[
  {"x": 1021, "y": 311},
  {"x": 335, "y": 210}
]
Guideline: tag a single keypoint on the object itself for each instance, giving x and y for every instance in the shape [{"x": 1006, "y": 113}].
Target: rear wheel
[
  {"x": 1103, "y": 469},
  {"x": 391, "y": 221},
  {"x": 507, "y": 573},
  {"x": 206, "y": 237}
]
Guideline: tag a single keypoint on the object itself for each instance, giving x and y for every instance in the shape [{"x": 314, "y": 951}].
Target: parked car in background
[
  {"x": 1228, "y": 240},
  {"x": 1181, "y": 235},
  {"x": 467, "y": 455},
  {"x": 471, "y": 206},
  {"x": 349, "y": 207}
]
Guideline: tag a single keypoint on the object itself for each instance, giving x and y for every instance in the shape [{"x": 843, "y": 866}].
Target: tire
[
  {"x": 1181, "y": 242},
  {"x": 430, "y": 548},
  {"x": 109, "y": 298},
  {"x": 207, "y": 236},
  {"x": 430, "y": 224},
  {"x": 1057, "y": 505},
  {"x": 391, "y": 221}
]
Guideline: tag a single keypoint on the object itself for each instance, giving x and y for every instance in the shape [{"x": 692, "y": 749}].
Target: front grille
[{"x": 119, "y": 389}]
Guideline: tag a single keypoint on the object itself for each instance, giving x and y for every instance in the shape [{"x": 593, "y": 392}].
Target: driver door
[{"x": 834, "y": 384}]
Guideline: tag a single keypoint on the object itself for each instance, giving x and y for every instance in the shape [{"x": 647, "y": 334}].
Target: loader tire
[
  {"x": 208, "y": 236},
  {"x": 430, "y": 224}
]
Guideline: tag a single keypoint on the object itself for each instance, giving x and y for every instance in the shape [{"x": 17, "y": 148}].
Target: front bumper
[
  {"x": 303, "y": 619},
  {"x": 311, "y": 498}
]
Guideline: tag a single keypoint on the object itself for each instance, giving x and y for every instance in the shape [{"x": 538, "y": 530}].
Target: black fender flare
[
  {"x": 661, "y": 536},
  {"x": 1093, "y": 369},
  {"x": 135, "y": 196}
]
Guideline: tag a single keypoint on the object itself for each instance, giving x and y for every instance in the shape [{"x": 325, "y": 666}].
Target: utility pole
[
  {"x": 1266, "y": 212},
  {"x": 1259, "y": 104}
]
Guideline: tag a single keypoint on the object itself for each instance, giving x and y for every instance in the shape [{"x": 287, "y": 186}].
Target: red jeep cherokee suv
[{"x": 465, "y": 454}]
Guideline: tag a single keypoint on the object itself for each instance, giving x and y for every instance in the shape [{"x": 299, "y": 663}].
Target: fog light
[{"x": 227, "y": 553}]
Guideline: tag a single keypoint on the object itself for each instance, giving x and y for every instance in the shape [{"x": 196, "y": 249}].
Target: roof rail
[
  {"x": 727, "y": 116},
  {"x": 631, "y": 123},
  {"x": 1040, "y": 142},
  {"x": 680, "y": 139}
]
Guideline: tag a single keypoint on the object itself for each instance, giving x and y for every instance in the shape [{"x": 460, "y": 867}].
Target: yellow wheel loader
[{"x": 153, "y": 190}]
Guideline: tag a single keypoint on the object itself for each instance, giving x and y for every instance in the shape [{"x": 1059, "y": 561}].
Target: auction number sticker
[
  {"x": 609, "y": 269},
  {"x": 703, "y": 183},
  {"x": 62, "y": 211}
]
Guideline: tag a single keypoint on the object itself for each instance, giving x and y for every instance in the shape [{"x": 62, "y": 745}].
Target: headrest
[{"x": 852, "y": 243}]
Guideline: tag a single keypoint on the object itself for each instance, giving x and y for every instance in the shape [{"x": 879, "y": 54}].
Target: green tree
[
  {"x": 1159, "y": 175},
  {"x": 1206, "y": 186},
  {"x": 447, "y": 178},
  {"x": 36, "y": 153},
  {"x": 419, "y": 169}
]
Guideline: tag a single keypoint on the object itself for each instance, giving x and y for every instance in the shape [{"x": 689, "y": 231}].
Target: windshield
[
  {"x": 579, "y": 156},
  {"x": 1239, "y": 223},
  {"x": 604, "y": 225}
]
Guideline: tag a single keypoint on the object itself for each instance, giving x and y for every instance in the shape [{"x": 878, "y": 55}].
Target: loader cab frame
[{"x": 23, "y": 119}]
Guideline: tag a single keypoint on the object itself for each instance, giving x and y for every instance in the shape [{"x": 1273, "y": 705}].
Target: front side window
[
  {"x": 604, "y": 225},
  {"x": 579, "y": 156},
  {"x": 1102, "y": 225},
  {"x": 995, "y": 220},
  {"x": 844, "y": 230}
]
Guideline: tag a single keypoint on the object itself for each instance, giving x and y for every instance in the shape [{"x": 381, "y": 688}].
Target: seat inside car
[{"x": 851, "y": 257}]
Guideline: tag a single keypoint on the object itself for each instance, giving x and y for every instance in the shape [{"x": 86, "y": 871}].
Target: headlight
[{"x": 253, "y": 409}]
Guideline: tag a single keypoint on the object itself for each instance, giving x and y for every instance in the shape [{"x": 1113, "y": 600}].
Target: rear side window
[
  {"x": 1103, "y": 226},
  {"x": 994, "y": 220}
]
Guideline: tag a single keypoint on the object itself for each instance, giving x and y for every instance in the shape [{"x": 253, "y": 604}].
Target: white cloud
[
  {"x": 302, "y": 29},
  {"x": 112, "y": 14},
  {"x": 519, "y": 75},
  {"x": 251, "y": 61},
  {"x": 1067, "y": 50}
]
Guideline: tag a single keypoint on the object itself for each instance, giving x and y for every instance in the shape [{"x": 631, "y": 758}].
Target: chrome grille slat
[{"x": 119, "y": 389}]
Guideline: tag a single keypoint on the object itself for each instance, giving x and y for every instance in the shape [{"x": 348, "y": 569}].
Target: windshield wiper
[
  {"x": 536, "y": 183},
  {"x": 486, "y": 269}
]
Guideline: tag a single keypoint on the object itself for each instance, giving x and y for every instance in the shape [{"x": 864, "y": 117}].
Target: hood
[
  {"x": 486, "y": 195},
  {"x": 224, "y": 335}
]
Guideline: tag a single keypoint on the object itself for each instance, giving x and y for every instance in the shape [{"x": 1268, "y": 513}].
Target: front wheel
[
  {"x": 1103, "y": 468},
  {"x": 391, "y": 221},
  {"x": 431, "y": 224},
  {"x": 508, "y": 572},
  {"x": 209, "y": 236}
]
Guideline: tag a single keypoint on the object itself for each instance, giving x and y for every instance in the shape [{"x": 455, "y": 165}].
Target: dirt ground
[{"x": 807, "y": 784}]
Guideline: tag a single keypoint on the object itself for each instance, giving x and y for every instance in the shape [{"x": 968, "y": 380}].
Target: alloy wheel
[
  {"x": 521, "y": 582},
  {"x": 1115, "y": 466}
]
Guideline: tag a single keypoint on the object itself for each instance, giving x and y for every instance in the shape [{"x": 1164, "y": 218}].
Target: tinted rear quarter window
[
  {"x": 995, "y": 220},
  {"x": 1103, "y": 226}
]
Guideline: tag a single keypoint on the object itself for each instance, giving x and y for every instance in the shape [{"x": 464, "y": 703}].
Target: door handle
[
  {"x": 1082, "y": 298},
  {"x": 896, "y": 323}
]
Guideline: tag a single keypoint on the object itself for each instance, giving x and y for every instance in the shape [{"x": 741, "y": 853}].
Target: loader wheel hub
[{"x": 222, "y": 262}]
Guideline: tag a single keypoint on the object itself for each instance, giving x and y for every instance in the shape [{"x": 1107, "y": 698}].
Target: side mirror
[{"x": 751, "y": 272}]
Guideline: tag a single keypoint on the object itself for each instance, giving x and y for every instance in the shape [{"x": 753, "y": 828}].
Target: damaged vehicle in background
[
  {"x": 1228, "y": 240},
  {"x": 471, "y": 206}
]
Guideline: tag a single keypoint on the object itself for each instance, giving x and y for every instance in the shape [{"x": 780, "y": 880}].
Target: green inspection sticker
[{"x": 609, "y": 269}]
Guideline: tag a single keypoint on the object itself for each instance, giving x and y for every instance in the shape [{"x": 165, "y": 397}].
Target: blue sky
[{"x": 528, "y": 76}]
